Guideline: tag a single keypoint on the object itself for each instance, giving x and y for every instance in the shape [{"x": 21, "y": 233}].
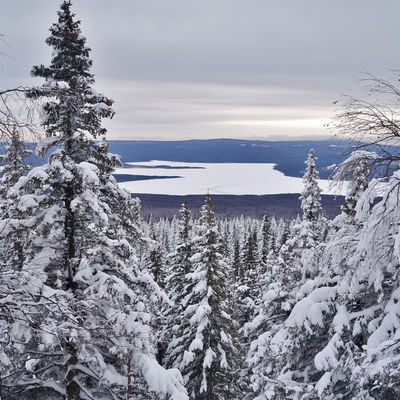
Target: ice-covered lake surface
[{"x": 200, "y": 178}]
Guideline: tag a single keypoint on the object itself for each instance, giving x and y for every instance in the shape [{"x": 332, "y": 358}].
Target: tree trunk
[
  {"x": 69, "y": 230},
  {"x": 72, "y": 387},
  {"x": 129, "y": 390}
]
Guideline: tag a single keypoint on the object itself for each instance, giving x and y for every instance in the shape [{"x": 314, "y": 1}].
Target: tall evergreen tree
[
  {"x": 311, "y": 194},
  {"x": 209, "y": 356},
  {"x": 73, "y": 112},
  {"x": 180, "y": 260},
  {"x": 247, "y": 287},
  {"x": 266, "y": 239},
  {"x": 237, "y": 267},
  {"x": 96, "y": 299},
  {"x": 276, "y": 300},
  {"x": 176, "y": 288},
  {"x": 306, "y": 232},
  {"x": 155, "y": 262}
]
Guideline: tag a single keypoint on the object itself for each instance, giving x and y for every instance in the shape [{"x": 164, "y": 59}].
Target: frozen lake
[{"x": 200, "y": 178}]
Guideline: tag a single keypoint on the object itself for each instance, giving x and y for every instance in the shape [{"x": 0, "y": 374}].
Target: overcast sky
[{"x": 184, "y": 69}]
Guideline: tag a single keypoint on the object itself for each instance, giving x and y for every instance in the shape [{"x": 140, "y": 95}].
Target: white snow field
[{"x": 214, "y": 178}]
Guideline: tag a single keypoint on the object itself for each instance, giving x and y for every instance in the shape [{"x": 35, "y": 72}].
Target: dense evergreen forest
[{"x": 96, "y": 303}]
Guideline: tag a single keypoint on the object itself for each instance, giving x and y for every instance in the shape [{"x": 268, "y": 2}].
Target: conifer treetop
[
  {"x": 207, "y": 216},
  {"x": 69, "y": 49},
  {"x": 185, "y": 221},
  {"x": 75, "y": 107}
]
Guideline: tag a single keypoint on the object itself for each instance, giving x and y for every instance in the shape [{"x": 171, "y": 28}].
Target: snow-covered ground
[{"x": 236, "y": 179}]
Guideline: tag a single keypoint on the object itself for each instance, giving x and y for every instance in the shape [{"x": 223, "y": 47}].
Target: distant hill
[{"x": 288, "y": 155}]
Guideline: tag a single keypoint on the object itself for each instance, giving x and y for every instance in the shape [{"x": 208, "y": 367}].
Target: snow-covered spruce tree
[
  {"x": 156, "y": 265},
  {"x": 246, "y": 293},
  {"x": 341, "y": 304},
  {"x": 176, "y": 288},
  {"x": 237, "y": 267},
  {"x": 311, "y": 194},
  {"x": 305, "y": 235},
  {"x": 12, "y": 232},
  {"x": 365, "y": 334},
  {"x": 93, "y": 296},
  {"x": 340, "y": 329},
  {"x": 277, "y": 358},
  {"x": 208, "y": 361},
  {"x": 155, "y": 262},
  {"x": 356, "y": 168},
  {"x": 274, "y": 229},
  {"x": 265, "y": 239},
  {"x": 263, "y": 364},
  {"x": 247, "y": 287},
  {"x": 330, "y": 321},
  {"x": 17, "y": 294},
  {"x": 225, "y": 239},
  {"x": 181, "y": 258},
  {"x": 282, "y": 234}
]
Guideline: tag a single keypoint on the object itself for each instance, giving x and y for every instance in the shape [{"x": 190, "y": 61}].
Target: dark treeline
[{"x": 285, "y": 206}]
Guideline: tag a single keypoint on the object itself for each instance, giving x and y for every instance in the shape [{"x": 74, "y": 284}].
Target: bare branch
[
  {"x": 373, "y": 122},
  {"x": 18, "y": 113}
]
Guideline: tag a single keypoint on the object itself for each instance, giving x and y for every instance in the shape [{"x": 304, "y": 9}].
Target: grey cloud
[
  {"x": 198, "y": 63},
  {"x": 225, "y": 40},
  {"x": 186, "y": 110}
]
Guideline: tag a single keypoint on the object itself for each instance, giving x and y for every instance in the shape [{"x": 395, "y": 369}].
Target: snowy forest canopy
[{"x": 96, "y": 303}]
